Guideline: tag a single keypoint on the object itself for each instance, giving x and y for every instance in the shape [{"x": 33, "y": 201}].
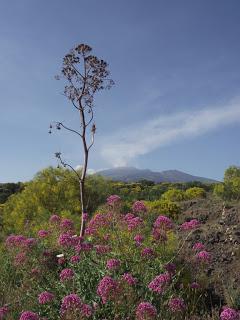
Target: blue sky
[{"x": 176, "y": 102}]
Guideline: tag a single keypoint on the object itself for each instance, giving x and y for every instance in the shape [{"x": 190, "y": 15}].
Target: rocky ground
[{"x": 220, "y": 232}]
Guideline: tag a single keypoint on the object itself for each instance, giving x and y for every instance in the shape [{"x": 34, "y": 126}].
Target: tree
[{"x": 85, "y": 75}]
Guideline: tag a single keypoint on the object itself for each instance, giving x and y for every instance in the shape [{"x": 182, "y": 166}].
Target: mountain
[{"x": 131, "y": 174}]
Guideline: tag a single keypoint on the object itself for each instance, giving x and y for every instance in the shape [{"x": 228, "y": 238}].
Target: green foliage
[
  {"x": 7, "y": 189},
  {"x": 165, "y": 207},
  {"x": 195, "y": 192},
  {"x": 52, "y": 190},
  {"x": 230, "y": 188},
  {"x": 174, "y": 195}
]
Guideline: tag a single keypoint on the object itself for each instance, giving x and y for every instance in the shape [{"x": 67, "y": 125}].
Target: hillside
[{"x": 132, "y": 174}]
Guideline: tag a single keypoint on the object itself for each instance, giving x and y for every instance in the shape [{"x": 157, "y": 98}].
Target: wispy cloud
[{"x": 129, "y": 143}]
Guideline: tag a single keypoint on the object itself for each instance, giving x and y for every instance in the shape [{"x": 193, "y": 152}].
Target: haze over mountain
[{"x": 131, "y": 174}]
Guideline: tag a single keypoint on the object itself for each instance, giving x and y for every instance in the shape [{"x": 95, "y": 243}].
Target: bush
[
  {"x": 166, "y": 207},
  {"x": 52, "y": 190},
  {"x": 195, "y": 192},
  {"x": 117, "y": 271},
  {"x": 174, "y": 195}
]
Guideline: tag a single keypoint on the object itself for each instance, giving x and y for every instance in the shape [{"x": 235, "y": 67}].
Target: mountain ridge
[{"x": 132, "y": 174}]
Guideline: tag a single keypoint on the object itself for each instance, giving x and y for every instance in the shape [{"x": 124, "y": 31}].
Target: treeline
[{"x": 7, "y": 189}]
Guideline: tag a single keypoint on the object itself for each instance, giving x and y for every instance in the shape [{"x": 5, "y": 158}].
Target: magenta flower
[
  {"x": 45, "y": 297},
  {"x": 176, "y": 305},
  {"x": 35, "y": 271},
  {"x": 3, "y": 312},
  {"x": 198, "y": 246},
  {"x": 139, "y": 206},
  {"x": 66, "y": 224},
  {"x": 194, "y": 285},
  {"x": 113, "y": 199},
  {"x": 139, "y": 239},
  {"x": 85, "y": 216},
  {"x": 159, "y": 283},
  {"x": 190, "y": 225},
  {"x": 75, "y": 259},
  {"x": 43, "y": 233},
  {"x": 107, "y": 288},
  {"x": 229, "y": 314},
  {"x": 170, "y": 267},
  {"x": 132, "y": 221},
  {"x": 29, "y": 315},
  {"x": 66, "y": 274},
  {"x": 129, "y": 279},
  {"x": 20, "y": 258},
  {"x": 65, "y": 240},
  {"x": 113, "y": 264},
  {"x": 54, "y": 219},
  {"x": 30, "y": 242},
  {"x": 147, "y": 253},
  {"x": 163, "y": 222},
  {"x": 100, "y": 220},
  {"x": 15, "y": 240},
  {"x": 61, "y": 260},
  {"x": 85, "y": 247},
  {"x": 203, "y": 256},
  {"x": 87, "y": 310},
  {"x": 102, "y": 249},
  {"x": 146, "y": 311},
  {"x": 71, "y": 303}
]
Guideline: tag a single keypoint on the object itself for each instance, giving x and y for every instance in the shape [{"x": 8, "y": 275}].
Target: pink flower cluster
[
  {"x": 54, "y": 219},
  {"x": 159, "y": 283},
  {"x": 145, "y": 310},
  {"x": 163, "y": 222},
  {"x": 147, "y": 253},
  {"x": 45, "y": 297},
  {"x": 170, "y": 267},
  {"x": 75, "y": 259},
  {"x": 43, "y": 233},
  {"x": 176, "y": 305},
  {"x": 161, "y": 225},
  {"x": 66, "y": 274},
  {"x": 203, "y": 256},
  {"x": 190, "y": 225},
  {"x": 132, "y": 221},
  {"x": 20, "y": 241},
  {"x": 83, "y": 247},
  {"x": 107, "y": 288},
  {"x": 113, "y": 199},
  {"x": 72, "y": 304},
  {"x": 20, "y": 259},
  {"x": 100, "y": 220},
  {"x": 139, "y": 206},
  {"x": 198, "y": 246},
  {"x": 129, "y": 279},
  {"x": 67, "y": 240},
  {"x": 102, "y": 249},
  {"x": 138, "y": 239},
  {"x": 229, "y": 314},
  {"x": 29, "y": 315},
  {"x": 66, "y": 224},
  {"x": 113, "y": 264},
  {"x": 3, "y": 312}
]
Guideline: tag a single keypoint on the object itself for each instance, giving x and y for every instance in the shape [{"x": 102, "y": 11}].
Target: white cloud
[
  {"x": 89, "y": 171},
  {"x": 129, "y": 143}
]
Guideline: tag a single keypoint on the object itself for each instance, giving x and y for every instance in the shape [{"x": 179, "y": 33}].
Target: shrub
[
  {"x": 195, "y": 192},
  {"x": 166, "y": 207},
  {"x": 174, "y": 195},
  {"x": 52, "y": 190},
  {"x": 114, "y": 272}
]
